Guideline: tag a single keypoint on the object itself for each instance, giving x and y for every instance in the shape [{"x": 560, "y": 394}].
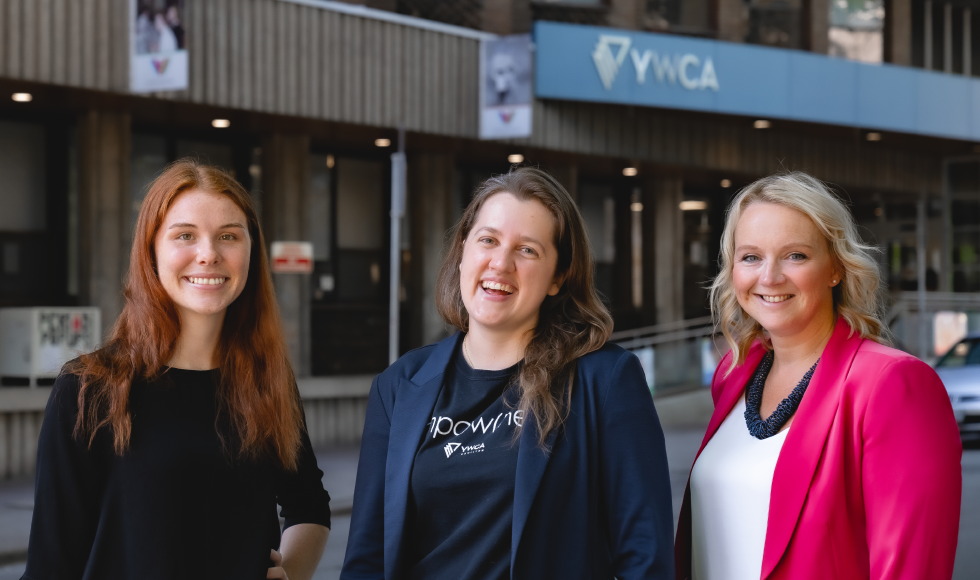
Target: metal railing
[
  {"x": 912, "y": 324},
  {"x": 675, "y": 355}
]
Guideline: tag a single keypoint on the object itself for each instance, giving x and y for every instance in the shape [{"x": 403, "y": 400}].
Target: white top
[{"x": 730, "y": 487}]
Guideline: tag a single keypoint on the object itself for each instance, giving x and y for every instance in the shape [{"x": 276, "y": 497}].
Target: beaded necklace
[{"x": 763, "y": 429}]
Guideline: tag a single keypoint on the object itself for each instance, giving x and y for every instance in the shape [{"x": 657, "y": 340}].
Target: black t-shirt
[
  {"x": 462, "y": 486},
  {"x": 174, "y": 505}
]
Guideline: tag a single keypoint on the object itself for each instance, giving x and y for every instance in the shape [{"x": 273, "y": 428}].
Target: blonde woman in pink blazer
[{"x": 829, "y": 454}]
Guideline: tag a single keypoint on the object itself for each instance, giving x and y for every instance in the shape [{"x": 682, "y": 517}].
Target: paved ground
[{"x": 340, "y": 465}]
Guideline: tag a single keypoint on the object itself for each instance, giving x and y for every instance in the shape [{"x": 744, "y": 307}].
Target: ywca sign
[{"x": 688, "y": 70}]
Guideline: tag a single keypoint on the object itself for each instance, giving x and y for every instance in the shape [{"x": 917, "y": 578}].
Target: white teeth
[
  {"x": 776, "y": 298},
  {"x": 206, "y": 281},
  {"x": 498, "y": 286}
]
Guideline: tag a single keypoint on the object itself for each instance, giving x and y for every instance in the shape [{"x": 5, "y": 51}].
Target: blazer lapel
[
  {"x": 414, "y": 402},
  {"x": 805, "y": 442},
  {"x": 531, "y": 463},
  {"x": 734, "y": 387}
]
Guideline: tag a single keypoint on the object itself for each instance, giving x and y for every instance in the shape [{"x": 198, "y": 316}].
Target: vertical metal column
[
  {"x": 636, "y": 243},
  {"x": 920, "y": 263},
  {"x": 398, "y": 174},
  {"x": 967, "y": 43},
  {"x": 946, "y": 274},
  {"x": 927, "y": 38},
  {"x": 948, "y": 38}
]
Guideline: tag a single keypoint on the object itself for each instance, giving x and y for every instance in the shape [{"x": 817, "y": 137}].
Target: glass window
[
  {"x": 360, "y": 229},
  {"x": 965, "y": 353},
  {"x": 148, "y": 159},
  {"x": 598, "y": 206},
  {"x": 319, "y": 218},
  {"x": 856, "y": 29},
  {"x": 775, "y": 23},
  {"x": 679, "y": 16},
  {"x": 22, "y": 177},
  {"x": 210, "y": 153}
]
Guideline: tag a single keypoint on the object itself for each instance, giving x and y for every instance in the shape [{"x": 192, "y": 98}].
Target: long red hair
[{"x": 257, "y": 392}]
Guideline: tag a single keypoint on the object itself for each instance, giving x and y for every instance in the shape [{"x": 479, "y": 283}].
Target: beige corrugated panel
[
  {"x": 262, "y": 55},
  {"x": 287, "y": 58}
]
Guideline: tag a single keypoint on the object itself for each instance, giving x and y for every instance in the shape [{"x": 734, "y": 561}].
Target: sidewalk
[{"x": 339, "y": 465}]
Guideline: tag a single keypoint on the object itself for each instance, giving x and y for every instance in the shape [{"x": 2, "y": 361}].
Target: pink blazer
[{"x": 868, "y": 483}]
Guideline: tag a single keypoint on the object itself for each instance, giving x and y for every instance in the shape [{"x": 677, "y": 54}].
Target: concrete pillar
[
  {"x": 898, "y": 32},
  {"x": 816, "y": 25},
  {"x": 626, "y": 14},
  {"x": 105, "y": 235},
  {"x": 285, "y": 183},
  {"x": 731, "y": 20},
  {"x": 668, "y": 247},
  {"x": 430, "y": 211}
]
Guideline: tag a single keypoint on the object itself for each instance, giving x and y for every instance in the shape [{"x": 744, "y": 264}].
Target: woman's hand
[{"x": 276, "y": 571}]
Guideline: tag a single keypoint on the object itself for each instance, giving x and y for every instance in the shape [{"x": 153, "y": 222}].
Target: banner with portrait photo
[
  {"x": 505, "y": 87},
  {"x": 157, "y": 46}
]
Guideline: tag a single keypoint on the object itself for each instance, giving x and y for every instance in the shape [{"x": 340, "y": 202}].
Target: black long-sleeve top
[{"x": 174, "y": 505}]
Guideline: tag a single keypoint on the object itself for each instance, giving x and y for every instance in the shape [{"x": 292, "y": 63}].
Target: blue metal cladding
[{"x": 606, "y": 65}]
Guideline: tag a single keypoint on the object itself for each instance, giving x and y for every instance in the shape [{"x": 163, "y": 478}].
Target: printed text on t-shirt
[{"x": 447, "y": 426}]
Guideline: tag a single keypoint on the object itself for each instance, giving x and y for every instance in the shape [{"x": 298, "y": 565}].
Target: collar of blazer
[
  {"x": 414, "y": 401},
  {"x": 804, "y": 443}
]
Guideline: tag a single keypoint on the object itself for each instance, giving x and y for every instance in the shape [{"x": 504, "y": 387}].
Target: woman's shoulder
[
  {"x": 407, "y": 365},
  {"x": 63, "y": 400},
  {"x": 875, "y": 355},
  {"x": 610, "y": 366},
  {"x": 608, "y": 356}
]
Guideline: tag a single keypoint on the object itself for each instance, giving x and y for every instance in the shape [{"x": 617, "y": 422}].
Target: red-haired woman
[{"x": 164, "y": 453}]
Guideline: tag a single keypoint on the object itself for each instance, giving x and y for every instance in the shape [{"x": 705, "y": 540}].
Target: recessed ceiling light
[
  {"x": 636, "y": 206},
  {"x": 693, "y": 205},
  {"x": 382, "y": 142},
  {"x": 629, "y": 171},
  {"x": 22, "y": 97},
  {"x": 873, "y": 136},
  {"x": 221, "y": 123},
  {"x": 761, "y": 124},
  {"x": 515, "y": 158},
  {"x": 726, "y": 182}
]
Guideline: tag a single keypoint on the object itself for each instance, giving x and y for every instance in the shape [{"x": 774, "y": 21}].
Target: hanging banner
[
  {"x": 157, "y": 46},
  {"x": 505, "y": 87}
]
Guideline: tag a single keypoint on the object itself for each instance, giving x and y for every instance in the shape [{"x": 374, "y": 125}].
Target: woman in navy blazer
[{"x": 579, "y": 486}]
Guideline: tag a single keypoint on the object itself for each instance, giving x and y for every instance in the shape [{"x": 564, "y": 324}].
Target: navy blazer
[{"x": 597, "y": 506}]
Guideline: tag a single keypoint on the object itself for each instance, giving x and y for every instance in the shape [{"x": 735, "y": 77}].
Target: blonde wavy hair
[{"x": 856, "y": 298}]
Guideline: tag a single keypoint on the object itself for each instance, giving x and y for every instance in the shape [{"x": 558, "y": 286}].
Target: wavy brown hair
[
  {"x": 571, "y": 324},
  {"x": 856, "y": 298},
  {"x": 256, "y": 396}
]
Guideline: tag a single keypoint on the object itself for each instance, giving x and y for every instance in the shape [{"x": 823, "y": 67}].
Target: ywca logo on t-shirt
[{"x": 450, "y": 448}]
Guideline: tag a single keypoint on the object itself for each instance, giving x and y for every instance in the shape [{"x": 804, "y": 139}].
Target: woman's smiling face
[
  {"x": 202, "y": 253},
  {"x": 508, "y": 264},
  {"x": 783, "y": 271}
]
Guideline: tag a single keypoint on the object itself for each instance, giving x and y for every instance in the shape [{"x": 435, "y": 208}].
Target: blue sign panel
[{"x": 605, "y": 65}]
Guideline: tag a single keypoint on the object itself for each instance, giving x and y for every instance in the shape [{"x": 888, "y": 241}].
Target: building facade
[{"x": 303, "y": 101}]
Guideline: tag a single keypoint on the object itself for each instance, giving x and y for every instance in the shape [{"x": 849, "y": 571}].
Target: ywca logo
[
  {"x": 688, "y": 70},
  {"x": 160, "y": 65},
  {"x": 606, "y": 62},
  {"x": 450, "y": 448}
]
